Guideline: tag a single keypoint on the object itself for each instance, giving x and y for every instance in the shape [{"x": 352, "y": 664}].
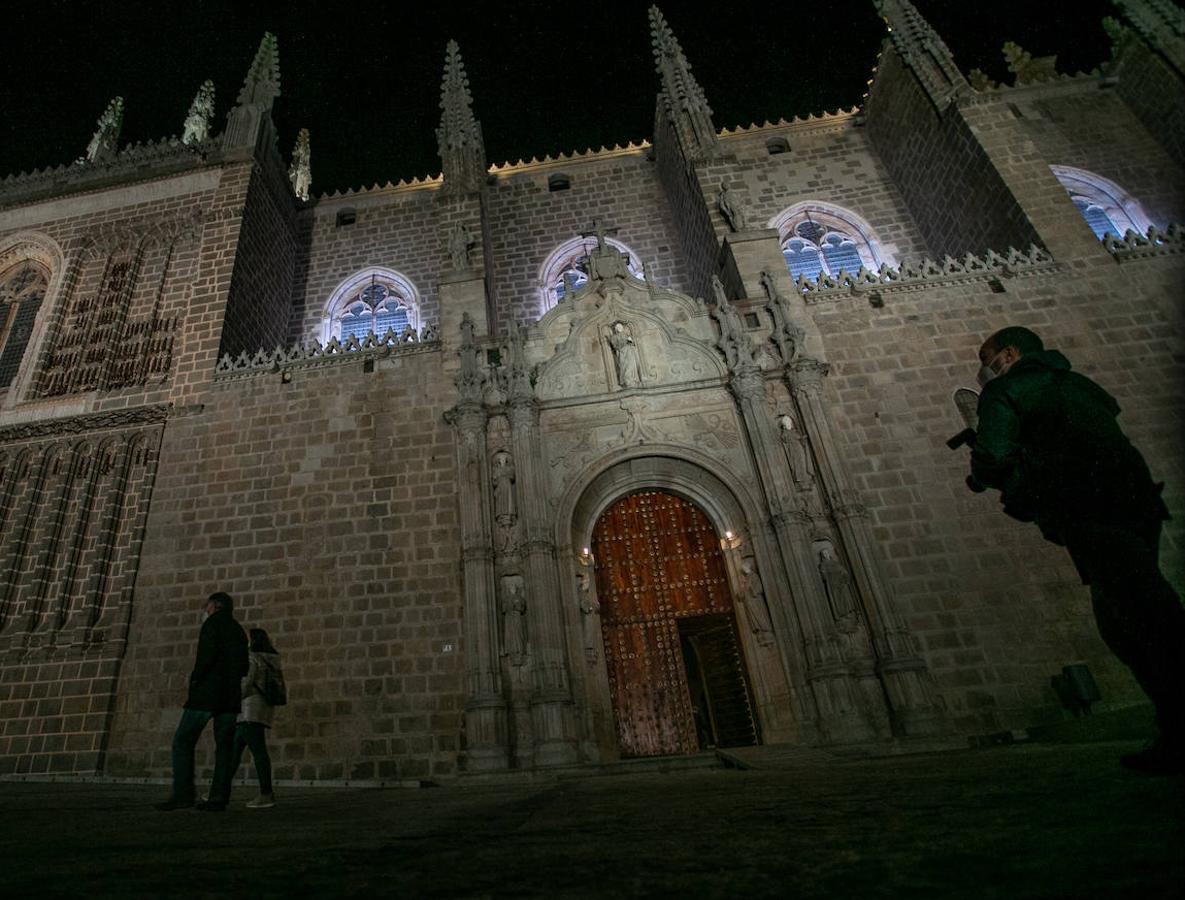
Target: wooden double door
[{"x": 676, "y": 671}]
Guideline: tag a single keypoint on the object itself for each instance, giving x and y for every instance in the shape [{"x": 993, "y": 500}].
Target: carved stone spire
[
  {"x": 681, "y": 94},
  {"x": 923, "y": 51},
  {"x": 105, "y": 144},
  {"x": 462, "y": 153},
  {"x": 197, "y": 122},
  {"x": 262, "y": 85},
  {"x": 300, "y": 173},
  {"x": 1161, "y": 23},
  {"x": 260, "y": 89}
]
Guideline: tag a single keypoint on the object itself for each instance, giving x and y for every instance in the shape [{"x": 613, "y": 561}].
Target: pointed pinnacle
[{"x": 262, "y": 84}]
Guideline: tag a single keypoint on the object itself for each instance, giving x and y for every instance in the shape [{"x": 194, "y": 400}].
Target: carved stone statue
[
  {"x": 625, "y": 352},
  {"x": 514, "y": 619},
  {"x": 786, "y": 334},
  {"x": 459, "y": 242},
  {"x": 197, "y": 122},
  {"x": 503, "y": 477},
  {"x": 838, "y": 581},
  {"x": 797, "y": 455},
  {"x": 756, "y": 608},
  {"x": 733, "y": 209},
  {"x": 734, "y": 341},
  {"x": 589, "y": 608}
]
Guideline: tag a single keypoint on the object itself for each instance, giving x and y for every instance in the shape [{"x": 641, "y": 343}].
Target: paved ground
[{"x": 1033, "y": 820}]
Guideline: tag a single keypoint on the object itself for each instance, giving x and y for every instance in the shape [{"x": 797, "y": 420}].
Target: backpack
[{"x": 273, "y": 689}]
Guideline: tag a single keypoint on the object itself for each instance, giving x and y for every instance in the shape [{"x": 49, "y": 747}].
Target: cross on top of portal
[{"x": 598, "y": 230}]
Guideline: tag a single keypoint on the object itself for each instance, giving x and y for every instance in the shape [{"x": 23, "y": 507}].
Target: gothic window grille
[
  {"x": 22, "y": 289},
  {"x": 812, "y": 249},
  {"x": 1106, "y": 207},
  {"x": 571, "y": 259},
  {"x": 376, "y": 307}
]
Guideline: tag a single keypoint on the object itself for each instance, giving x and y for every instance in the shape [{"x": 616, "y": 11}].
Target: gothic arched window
[
  {"x": 1106, "y": 207},
  {"x": 22, "y": 288},
  {"x": 568, "y": 264},
  {"x": 818, "y": 240},
  {"x": 375, "y": 300}
]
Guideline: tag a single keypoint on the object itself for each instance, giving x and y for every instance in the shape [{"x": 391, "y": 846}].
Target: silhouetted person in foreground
[
  {"x": 1049, "y": 441},
  {"x": 214, "y": 691}
]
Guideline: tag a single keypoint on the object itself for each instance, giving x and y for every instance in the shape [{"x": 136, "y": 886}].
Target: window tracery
[
  {"x": 1106, "y": 207},
  {"x": 376, "y": 300},
  {"x": 567, "y": 267},
  {"x": 818, "y": 240},
  {"x": 22, "y": 288}
]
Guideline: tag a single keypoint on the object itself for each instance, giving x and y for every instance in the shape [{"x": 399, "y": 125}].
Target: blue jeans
[
  {"x": 185, "y": 738},
  {"x": 254, "y": 736}
]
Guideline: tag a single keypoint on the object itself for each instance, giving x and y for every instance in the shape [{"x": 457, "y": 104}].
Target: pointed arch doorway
[{"x": 677, "y": 677}]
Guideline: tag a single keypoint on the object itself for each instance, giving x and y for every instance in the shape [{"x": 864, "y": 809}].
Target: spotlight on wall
[
  {"x": 1076, "y": 688},
  {"x": 730, "y": 541},
  {"x": 586, "y": 558}
]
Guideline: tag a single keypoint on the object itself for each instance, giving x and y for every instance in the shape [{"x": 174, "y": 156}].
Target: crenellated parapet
[
  {"x": 1155, "y": 242},
  {"x": 314, "y": 354},
  {"x": 926, "y": 272}
]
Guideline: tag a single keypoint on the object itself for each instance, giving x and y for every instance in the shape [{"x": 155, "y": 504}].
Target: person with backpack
[{"x": 263, "y": 690}]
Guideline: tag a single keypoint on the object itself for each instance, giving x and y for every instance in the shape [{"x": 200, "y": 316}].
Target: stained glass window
[
  {"x": 376, "y": 308},
  {"x": 22, "y": 288}
]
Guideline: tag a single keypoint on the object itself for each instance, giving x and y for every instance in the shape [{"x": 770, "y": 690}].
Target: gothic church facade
[{"x": 628, "y": 453}]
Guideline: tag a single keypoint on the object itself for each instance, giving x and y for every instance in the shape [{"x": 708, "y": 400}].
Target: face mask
[{"x": 987, "y": 373}]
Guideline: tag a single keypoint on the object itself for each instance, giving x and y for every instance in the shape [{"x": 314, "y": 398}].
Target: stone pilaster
[
  {"x": 485, "y": 706},
  {"x": 841, "y": 715},
  {"x": 551, "y": 696},
  {"x": 462, "y": 292},
  {"x": 901, "y": 669}
]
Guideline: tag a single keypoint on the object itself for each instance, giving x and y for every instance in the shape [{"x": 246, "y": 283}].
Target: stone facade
[{"x": 408, "y": 512}]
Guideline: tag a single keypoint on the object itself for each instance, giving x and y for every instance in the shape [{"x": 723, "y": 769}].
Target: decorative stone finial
[
  {"x": 1027, "y": 68},
  {"x": 300, "y": 173},
  {"x": 197, "y": 122},
  {"x": 462, "y": 153},
  {"x": 922, "y": 51},
  {"x": 105, "y": 144},
  {"x": 262, "y": 84},
  {"x": 1161, "y": 23},
  {"x": 681, "y": 95}
]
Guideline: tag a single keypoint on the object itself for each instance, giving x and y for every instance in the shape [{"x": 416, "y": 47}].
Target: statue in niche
[
  {"x": 503, "y": 477},
  {"x": 733, "y": 209},
  {"x": 797, "y": 454},
  {"x": 838, "y": 582},
  {"x": 514, "y": 619},
  {"x": 589, "y": 608},
  {"x": 459, "y": 242},
  {"x": 625, "y": 353},
  {"x": 753, "y": 599}
]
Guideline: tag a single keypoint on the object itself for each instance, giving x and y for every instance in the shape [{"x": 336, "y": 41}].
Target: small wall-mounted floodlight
[{"x": 1076, "y": 688}]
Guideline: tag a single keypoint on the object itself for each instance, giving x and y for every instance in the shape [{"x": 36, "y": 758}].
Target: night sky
[{"x": 546, "y": 77}]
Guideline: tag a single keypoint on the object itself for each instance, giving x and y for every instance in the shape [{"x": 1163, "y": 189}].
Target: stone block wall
[
  {"x": 997, "y": 610},
  {"x": 1151, "y": 88},
  {"x": 259, "y": 301},
  {"x": 403, "y": 230},
  {"x": 834, "y": 165},
  {"x": 326, "y": 506},
  {"x": 527, "y": 222},
  {"x": 958, "y": 199},
  {"x": 72, "y": 515},
  {"x": 685, "y": 197},
  {"x": 1093, "y": 128}
]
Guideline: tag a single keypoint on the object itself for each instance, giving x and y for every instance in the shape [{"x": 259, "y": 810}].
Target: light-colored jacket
[{"x": 255, "y": 708}]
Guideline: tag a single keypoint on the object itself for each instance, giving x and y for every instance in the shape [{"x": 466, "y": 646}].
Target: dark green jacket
[
  {"x": 1048, "y": 439},
  {"x": 214, "y": 684}
]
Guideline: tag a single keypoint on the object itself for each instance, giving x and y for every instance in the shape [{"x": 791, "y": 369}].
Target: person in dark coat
[
  {"x": 214, "y": 693},
  {"x": 1048, "y": 439}
]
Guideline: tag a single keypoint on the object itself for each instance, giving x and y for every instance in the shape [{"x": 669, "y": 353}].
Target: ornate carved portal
[{"x": 676, "y": 676}]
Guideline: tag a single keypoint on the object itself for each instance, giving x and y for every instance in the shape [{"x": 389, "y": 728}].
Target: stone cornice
[
  {"x": 134, "y": 164},
  {"x": 103, "y": 421},
  {"x": 1133, "y": 246}
]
